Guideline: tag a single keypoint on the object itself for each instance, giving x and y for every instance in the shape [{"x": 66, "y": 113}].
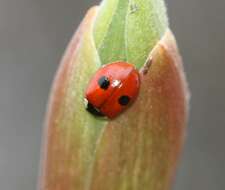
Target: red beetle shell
[{"x": 112, "y": 89}]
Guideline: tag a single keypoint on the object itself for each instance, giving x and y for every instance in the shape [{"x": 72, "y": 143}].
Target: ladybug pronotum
[{"x": 112, "y": 89}]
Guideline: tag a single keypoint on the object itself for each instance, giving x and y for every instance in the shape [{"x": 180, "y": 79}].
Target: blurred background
[{"x": 33, "y": 37}]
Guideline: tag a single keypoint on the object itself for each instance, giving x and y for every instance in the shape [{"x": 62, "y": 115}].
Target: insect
[{"x": 112, "y": 89}]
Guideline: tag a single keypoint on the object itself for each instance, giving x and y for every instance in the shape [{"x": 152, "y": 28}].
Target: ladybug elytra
[{"x": 112, "y": 89}]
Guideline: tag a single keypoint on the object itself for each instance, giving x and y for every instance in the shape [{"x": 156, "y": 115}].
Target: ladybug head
[{"x": 92, "y": 109}]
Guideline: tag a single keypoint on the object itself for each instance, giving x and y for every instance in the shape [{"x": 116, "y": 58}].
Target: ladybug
[{"x": 112, "y": 89}]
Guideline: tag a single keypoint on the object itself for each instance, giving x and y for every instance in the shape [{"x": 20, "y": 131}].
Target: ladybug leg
[
  {"x": 147, "y": 65},
  {"x": 93, "y": 110}
]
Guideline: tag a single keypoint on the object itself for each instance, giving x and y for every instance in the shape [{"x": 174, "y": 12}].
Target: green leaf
[
  {"x": 73, "y": 133},
  {"x": 127, "y": 30}
]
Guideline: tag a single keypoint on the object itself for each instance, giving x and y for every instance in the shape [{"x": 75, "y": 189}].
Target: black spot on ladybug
[
  {"x": 93, "y": 110},
  {"x": 124, "y": 100},
  {"x": 104, "y": 83}
]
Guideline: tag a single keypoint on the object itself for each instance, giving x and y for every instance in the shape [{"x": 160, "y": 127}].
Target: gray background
[{"x": 33, "y": 36}]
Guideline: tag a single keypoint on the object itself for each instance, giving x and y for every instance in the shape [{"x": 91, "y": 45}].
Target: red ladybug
[{"x": 112, "y": 89}]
